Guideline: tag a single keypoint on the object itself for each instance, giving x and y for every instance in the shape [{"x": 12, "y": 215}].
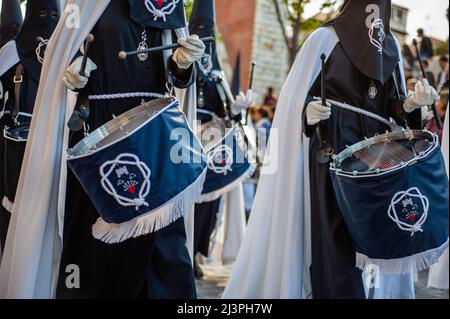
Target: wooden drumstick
[
  {"x": 437, "y": 117},
  {"x": 124, "y": 54},
  {"x": 323, "y": 57},
  {"x": 252, "y": 73},
  {"x": 90, "y": 38}
]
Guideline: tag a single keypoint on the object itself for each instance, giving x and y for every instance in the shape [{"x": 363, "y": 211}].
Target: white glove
[
  {"x": 73, "y": 79},
  {"x": 243, "y": 102},
  {"x": 424, "y": 94},
  {"x": 192, "y": 49},
  {"x": 316, "y": 112}
]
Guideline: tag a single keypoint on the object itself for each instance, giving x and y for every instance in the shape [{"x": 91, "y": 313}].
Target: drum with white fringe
[
  {"x": 230, "y": 157},
  {"x": 142, "y": 170},
  {"x": 392, "y": 191}
]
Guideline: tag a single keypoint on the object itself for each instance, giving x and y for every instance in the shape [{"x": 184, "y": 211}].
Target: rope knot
[{"x": 138, "y": 202}]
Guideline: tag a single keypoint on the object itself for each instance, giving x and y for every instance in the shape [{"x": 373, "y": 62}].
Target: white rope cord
[
  {"x": 406, "y": 199},
  {"x": 220, "y": 159},
  {"x": 360, "y": 111},
  {"x": 125, "y": 95},
  {"x": 42, "y": 44},
  {"x": 164, "y": 11},
  {"x": 126, "y": 159}
]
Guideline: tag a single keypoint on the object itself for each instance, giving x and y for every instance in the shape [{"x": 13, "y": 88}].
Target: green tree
[{"x": 290, "y": 16}]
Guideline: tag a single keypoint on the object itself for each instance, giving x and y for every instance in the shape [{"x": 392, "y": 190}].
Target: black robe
[
  {"x": 156, "y": 265},
  {"x": 333, "y": 270}
]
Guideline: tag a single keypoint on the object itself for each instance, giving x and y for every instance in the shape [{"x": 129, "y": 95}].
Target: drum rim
[
  {"x": 11, "y": 129},
  {"x": 115, "y": 124},
  {"x": 383, "y": 137}
]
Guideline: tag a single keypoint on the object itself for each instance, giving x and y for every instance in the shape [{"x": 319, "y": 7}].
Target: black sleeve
[{"x": 181, "y": 79}]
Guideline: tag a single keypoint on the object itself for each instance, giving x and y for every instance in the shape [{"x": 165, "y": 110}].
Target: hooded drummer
[
  {"x": 20, "y": 84},
  {"x": 213, "y": 100},
  {"x": 154, "y": 265},
  {"x": 362, "y": 69}
]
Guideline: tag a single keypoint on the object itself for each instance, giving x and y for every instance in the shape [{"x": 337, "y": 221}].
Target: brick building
[{"x": 251, "y": 28}]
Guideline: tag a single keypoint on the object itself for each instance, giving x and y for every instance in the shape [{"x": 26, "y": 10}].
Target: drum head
[
  {"x": 18, "y": 133},
  {"x": 384, "y": 152},
  {"x": 120, "y": 127}
]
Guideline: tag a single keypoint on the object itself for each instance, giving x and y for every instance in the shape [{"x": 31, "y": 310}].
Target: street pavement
[{"x": 216, "y": 277}]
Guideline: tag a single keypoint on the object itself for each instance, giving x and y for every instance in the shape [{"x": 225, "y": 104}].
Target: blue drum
[
  {"x": 392, "y": 191},
  {"x": 142, "y": 171},
  {"x": 230, "y": 157}
]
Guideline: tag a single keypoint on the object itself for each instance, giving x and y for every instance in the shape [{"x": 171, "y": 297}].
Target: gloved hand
[
  {"x": 424, "y": 94},
  {"x": 243, "y": 102},
  {"x": 192, "y": 49},
  {"x": 316, "y": 112},
  {"x": 73, "y": 79}
]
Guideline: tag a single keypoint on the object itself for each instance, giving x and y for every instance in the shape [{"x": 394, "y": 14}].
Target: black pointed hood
[
  {"x": 11, "y": 20},
  {"x": 41, "y": 18},
  {"x": 202, "y": 23},
  {"x": 159, "y": 14},
  {"x": 364, "y": 30},
  {"x": 236, "y": 81}
]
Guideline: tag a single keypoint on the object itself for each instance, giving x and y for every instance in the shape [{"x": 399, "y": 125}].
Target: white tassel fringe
[
  {"x": 206, "y": 198},
  {"x": 152, "y": 221},
  {"x": 403, "y": 266}
]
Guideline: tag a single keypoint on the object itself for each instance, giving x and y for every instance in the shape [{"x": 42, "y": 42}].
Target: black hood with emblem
[
  {"x": 202, "y": 24},
  {"x": 10, "y": 20},
  {"x": 159, "y": 14},
  {"x": 364, "y": 31},
  {"x": 41, "y": 18}
]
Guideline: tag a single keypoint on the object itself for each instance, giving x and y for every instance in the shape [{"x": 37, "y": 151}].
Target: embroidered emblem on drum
[
  {"x": 162, "y": 9},
  {"x": 127, "y": 179},
  {"x": 377, "y": 34},
  {"x": 413, "y": 208},
  {"x": 220, "y": 159}
]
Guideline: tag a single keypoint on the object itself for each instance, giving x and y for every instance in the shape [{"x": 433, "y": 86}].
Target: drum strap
[{"x": 18, "y": 79}]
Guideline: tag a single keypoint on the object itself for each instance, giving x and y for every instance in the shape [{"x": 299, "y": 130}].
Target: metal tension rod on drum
[
  {"x": 123, "y": 54},
  {"x": 437, "y": 118}
]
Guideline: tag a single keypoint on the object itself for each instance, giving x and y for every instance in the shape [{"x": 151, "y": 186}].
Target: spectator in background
[
  {"x": 260, "y": 118},
  {"x": 270, "y": 99},
  {"x": 411, "y": 84},
  {"x": 443, "y": 75},
  {"x": 430, "y": 75},
  {"x": 426, "y": 46}
]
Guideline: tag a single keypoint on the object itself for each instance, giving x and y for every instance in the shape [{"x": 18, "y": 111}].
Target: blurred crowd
[{"x": 436, "y": 68}]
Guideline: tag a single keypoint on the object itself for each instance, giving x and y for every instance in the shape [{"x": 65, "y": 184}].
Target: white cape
[
  {"x": 230, "y": 230},
  {"x": 438, "y": 277},
  {"x": 33, "y": 248},
  {"x": 275, "y": 257}
]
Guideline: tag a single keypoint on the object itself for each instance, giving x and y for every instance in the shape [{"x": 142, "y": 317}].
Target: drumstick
[
  {"x": 250, "y": 86},
  {"x": 252, "y": 73},
  {"x": 323, "y": 57},
  {"x": 90, "y": 38},
  {"x": 123, "y": 54},
  {"x": 437, "y": 118}
]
